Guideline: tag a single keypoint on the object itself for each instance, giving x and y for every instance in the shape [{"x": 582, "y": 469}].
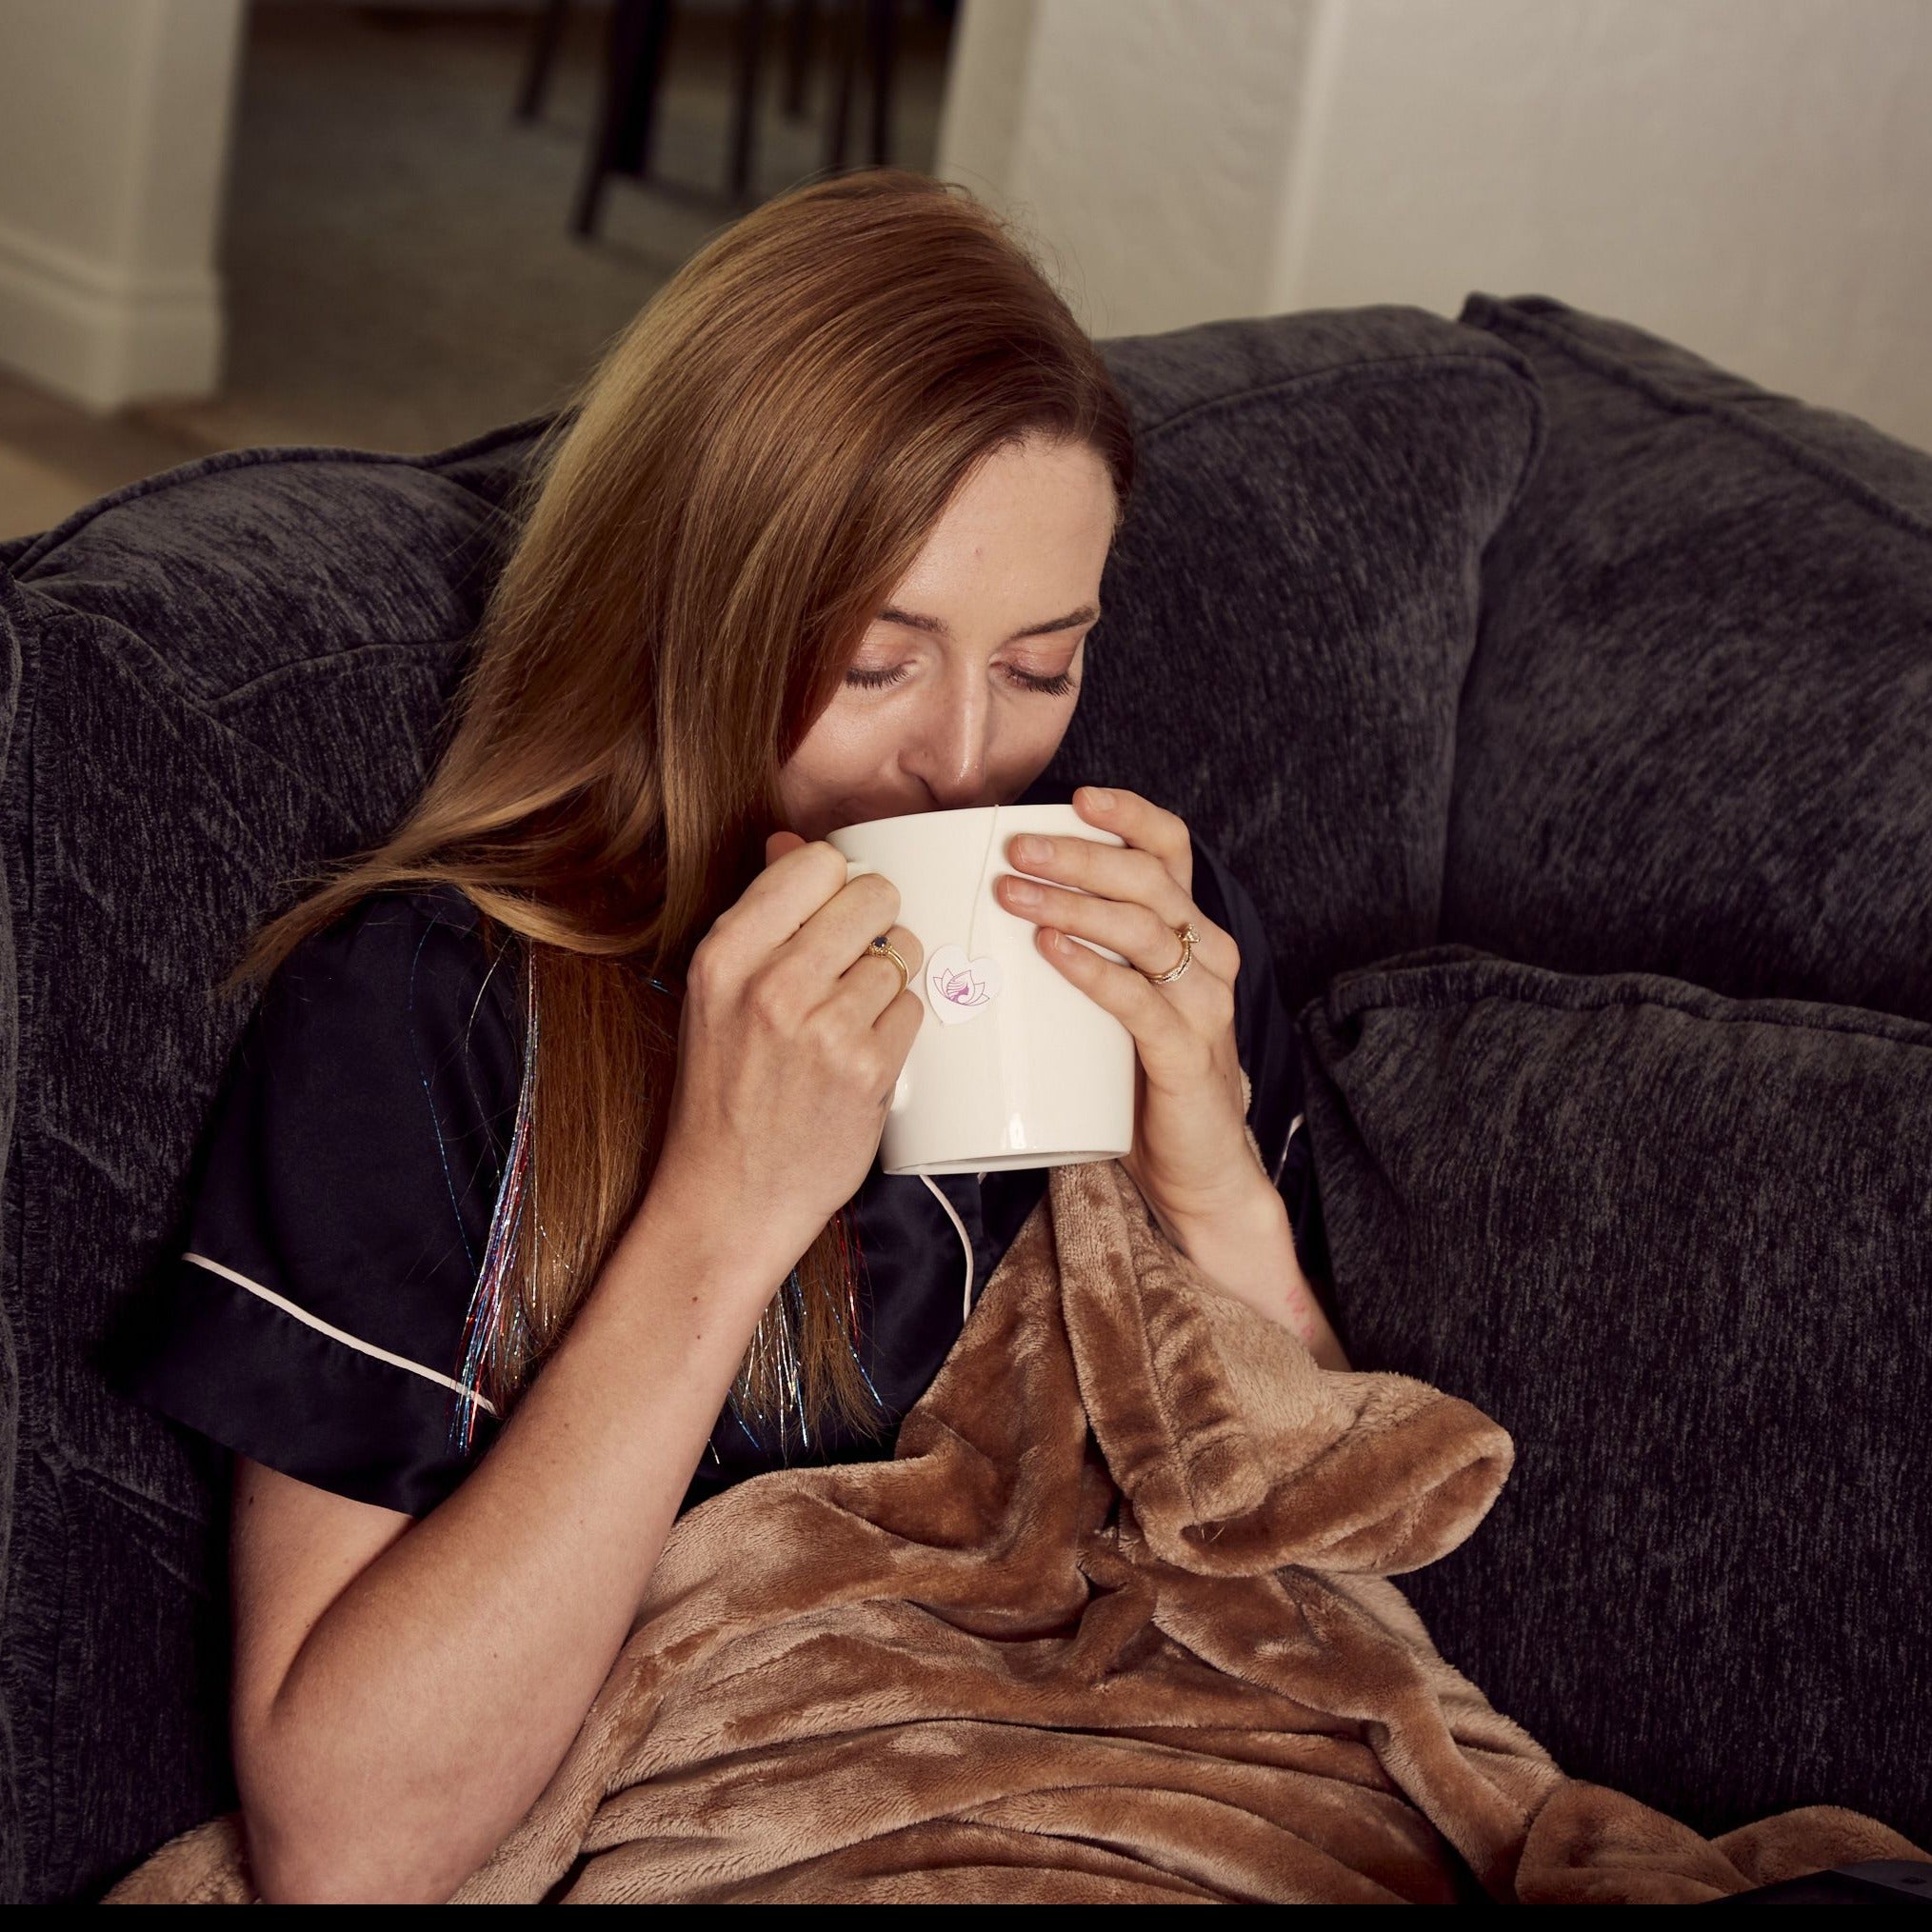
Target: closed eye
[
  {"x": 1054, "y": 687},
  {"x": 1057, "y": 687}
]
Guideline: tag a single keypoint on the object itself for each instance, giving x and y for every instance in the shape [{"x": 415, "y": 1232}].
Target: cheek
[
  {"x": 838, "y": 752},
  {"x": 1028, "y": 741},
  {"x": 1043, "y": 721}
]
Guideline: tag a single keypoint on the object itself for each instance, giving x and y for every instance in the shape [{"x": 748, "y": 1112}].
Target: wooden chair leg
[
  {"x": 798, "y": 45},
  {"x": 637, "y": 124},
  {"x": 752, "y": 22},
  {"x": 634, "y": 58},
  {"x": 883, "y": 23},
  {"x": 543, "y": 56},
  {"x": 845, "y": 36}
]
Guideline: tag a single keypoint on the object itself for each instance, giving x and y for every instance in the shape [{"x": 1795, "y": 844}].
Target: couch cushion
[
  {"x": 1291, "y": 607},
  {"x": 1697, "y": 733},
  {"x": 228, "y": 673},
  {"x": 1677, "y": 1244}
]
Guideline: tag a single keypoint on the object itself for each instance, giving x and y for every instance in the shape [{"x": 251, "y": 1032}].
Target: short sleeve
[
  {"x": 313, "y": 1317},
  {"x": 1270, "y": 1051}
]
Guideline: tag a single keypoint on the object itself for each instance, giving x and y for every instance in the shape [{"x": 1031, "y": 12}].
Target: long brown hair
[{"x": 707, "y": 528}]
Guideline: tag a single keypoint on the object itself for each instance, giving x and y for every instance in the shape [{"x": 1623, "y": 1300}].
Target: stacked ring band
[
  {"x": 883, "y": 946},
  {"x": 1186, "y": 935}
]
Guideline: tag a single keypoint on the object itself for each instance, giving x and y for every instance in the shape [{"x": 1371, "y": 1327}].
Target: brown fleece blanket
[{"x": 1113, "y": 1624}]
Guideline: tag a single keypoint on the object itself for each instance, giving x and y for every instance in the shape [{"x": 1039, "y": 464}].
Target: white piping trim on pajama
[{"x": 334, "y": 1334}]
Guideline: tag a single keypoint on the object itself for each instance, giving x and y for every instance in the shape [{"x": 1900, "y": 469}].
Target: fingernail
[
  {"x": 1031, "y": 849},
  {"x": 1021, "y": 893},
  {"x": 1098, "y": 798}
]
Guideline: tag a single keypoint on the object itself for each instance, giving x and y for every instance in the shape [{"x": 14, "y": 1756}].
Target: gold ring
[
  {"x": 1186, "y": 935},
  {"x": 884, "y": 945}
]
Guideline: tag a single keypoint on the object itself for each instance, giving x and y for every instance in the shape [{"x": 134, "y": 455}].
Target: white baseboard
[{"x": 103, "y": 335}]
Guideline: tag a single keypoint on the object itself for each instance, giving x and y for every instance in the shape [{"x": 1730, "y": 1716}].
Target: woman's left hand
[{"x": 1191, "y": 1158}]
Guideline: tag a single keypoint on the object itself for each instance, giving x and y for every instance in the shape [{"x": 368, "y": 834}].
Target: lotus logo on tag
[{"x": 961, "y": 988}]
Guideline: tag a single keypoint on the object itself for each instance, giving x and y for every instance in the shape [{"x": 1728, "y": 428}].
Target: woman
[{"x": 584, "y": 1070}]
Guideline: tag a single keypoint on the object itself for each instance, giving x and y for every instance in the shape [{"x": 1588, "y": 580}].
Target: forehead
[{"x": 1032, "y": 519}]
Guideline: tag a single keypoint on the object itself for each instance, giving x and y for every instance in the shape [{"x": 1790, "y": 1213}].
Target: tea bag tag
[{"x": 959, "y": 988}]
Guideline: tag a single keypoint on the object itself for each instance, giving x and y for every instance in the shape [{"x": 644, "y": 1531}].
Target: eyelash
[{"x": 1054, "y": 688}]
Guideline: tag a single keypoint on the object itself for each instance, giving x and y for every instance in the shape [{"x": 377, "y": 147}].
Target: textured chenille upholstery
[
  {"x": 1697, "y": 727},
  {"x": 1676, "y": 1232},
  {"x": 214, "y": 679},
  {"x": 1679, "y": 1246}
]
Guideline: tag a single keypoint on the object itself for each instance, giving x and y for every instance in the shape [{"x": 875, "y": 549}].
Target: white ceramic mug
[{"x": 1013, "y": 1064}]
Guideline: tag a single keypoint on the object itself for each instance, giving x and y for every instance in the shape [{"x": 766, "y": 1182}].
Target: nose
[{"x": 948, "y": 749}]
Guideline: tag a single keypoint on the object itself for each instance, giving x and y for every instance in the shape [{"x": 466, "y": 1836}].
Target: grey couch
[{"x": 1566, "y": 702}]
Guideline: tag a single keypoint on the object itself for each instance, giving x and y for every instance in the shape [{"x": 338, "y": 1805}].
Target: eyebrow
[{"x": 1086, "y": 614}]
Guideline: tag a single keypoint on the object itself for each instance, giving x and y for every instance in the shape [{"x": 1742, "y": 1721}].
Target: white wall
[
  {"x": 1749, "y": 178},
  {"x": 1142, "y": 143},
  {"x": 985, "y": 93},
  {"x": 115, "y": 125}
]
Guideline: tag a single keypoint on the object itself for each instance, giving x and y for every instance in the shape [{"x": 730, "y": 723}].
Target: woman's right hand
[{"x": 789, "y": 1046}]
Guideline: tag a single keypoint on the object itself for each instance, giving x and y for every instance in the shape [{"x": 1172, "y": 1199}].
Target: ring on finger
[
  {"x": 1187, "y": 937},
  {"x": 883, "y": 945}
]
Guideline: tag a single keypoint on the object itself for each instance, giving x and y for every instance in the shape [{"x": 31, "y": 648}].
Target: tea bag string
[
  {"x": 965, "y": 1241},
  {"x": 979, "y": 898}
]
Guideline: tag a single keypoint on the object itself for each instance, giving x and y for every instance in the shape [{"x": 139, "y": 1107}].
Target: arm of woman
[
  {"x": 1249, "y": 1252},
  {"x": 405, "y": 1689},
  {"x": 418, "y": 1631}
]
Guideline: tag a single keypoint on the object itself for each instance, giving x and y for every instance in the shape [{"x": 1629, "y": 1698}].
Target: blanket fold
[{"x": 1113, "y": 1624}]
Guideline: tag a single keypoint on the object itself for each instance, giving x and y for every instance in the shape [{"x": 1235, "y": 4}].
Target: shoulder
[
  {"x": 378, "y": 1077},
  {"x": 401, "y": 970},
  {"x": 388, "y": 939},
  {"x": 313, "y": 1315}
]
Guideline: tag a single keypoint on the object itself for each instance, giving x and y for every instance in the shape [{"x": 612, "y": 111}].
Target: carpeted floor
[{"x": 399, "y": 270}]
